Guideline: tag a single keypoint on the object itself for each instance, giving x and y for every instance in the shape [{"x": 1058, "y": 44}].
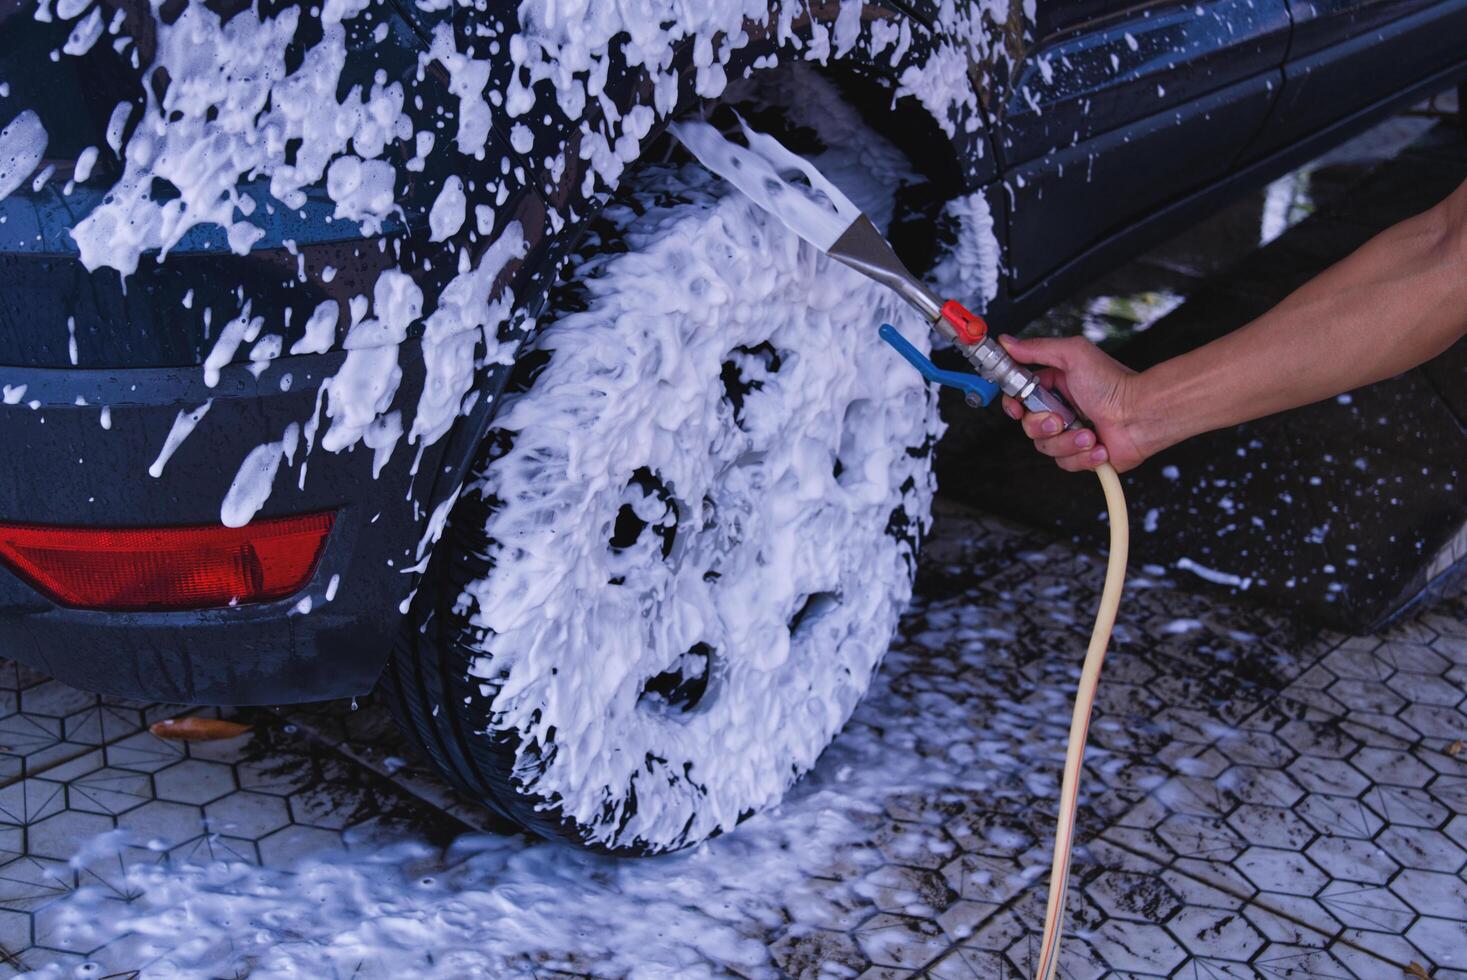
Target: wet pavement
[{"x": 1263, "y": 797}]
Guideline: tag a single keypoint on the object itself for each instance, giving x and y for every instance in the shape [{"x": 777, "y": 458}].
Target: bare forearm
[{"x": 1396, "y": 302}]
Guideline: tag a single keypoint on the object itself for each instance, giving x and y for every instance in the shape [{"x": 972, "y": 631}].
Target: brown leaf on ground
[
  {"x": 195, "y": 729},
  {"x": 1455, "y": 748},
  {"x": 1416, "y": 970}
]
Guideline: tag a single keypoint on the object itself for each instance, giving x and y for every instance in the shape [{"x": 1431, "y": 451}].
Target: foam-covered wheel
[{"x": 692, "y": 529}]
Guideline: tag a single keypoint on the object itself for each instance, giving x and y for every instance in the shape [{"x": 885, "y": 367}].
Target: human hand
[{"x": 1096, "y": 385}]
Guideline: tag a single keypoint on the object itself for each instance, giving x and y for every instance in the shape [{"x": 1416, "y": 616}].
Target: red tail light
[{"x": 163, "y": 568}]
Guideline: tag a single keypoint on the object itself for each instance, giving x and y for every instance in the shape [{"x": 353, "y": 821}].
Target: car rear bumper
[{"x": 63, "y": 467}]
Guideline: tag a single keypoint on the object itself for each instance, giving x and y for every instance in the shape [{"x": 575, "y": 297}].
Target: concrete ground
[{"x": 1261, "y": 798}]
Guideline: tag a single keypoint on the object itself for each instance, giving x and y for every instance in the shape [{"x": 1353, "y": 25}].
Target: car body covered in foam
[{"x": 268, "y": 260}]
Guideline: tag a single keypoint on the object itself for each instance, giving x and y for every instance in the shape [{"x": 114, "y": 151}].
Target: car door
[
  {"x": 1350, "y": 55},
  {"x": 1118, "y": 108}
]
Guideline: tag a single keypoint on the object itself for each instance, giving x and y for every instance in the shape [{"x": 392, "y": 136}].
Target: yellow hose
[{"x": 1105, "y": 618}]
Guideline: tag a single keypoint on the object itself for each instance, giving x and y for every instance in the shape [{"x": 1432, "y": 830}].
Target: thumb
[{"x": 1050, "y": 351}]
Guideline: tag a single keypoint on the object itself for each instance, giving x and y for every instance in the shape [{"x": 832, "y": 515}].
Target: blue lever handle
[{"x": 976, "y": 391}]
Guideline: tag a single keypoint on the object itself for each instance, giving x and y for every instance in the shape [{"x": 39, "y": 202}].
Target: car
[{"x": 398, "y": 345}]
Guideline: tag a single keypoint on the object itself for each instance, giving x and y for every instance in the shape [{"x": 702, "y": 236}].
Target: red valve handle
[{"x": 969, "y": 327}]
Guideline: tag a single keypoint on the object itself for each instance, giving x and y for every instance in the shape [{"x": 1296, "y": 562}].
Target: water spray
[{"x": 820, "y": 214}]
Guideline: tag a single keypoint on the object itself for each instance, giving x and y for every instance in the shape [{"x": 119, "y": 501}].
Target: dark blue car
[{"x": 374, "y": 343}]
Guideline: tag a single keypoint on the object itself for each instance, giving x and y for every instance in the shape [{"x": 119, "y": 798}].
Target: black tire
[{"x": 488, "y": 702}]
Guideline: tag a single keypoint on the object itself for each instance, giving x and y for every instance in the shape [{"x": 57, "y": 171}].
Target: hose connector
[
  {"x": 1015, "y": 380},
  {"x": 969, "y": 334}
]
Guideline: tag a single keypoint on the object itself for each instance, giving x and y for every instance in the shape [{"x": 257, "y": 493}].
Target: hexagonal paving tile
[
  {"x": 1276, "y": 870},
  {"x": 1410, "y": 807},
  {"x": 1321, "y": 738},
  {"x": 901, "y": 941},
  {"x": 170, "y": 823},
  {"x": 1138, "y": 897},
  {"x": 1262, "y": 787},
  {"x": 100, "y": 723},
  {"x": 64, "y": 833},
  {"x": 1216, "y": 934},
  {"x": 193, "y": 781},
  {"x": 29, "y": 882},
  {"x": 1260, "y": 750},
  {"x": 1271, "y": 825},
  {"x": 286, "y": 846},
  {"x": 109, "y": 791},
  {"x": 962, "y": 918},
  {"x": 1366, "y": 696},
  {"x": 1426, "y": 689},
  {"x": 903, "y": 890},
  {"x": 1079, "y": 959},
  {"x": 816, "y": 952},
  {"x": 1355, "y": 659},
  {"x": 1331, "y": 777},
  {"x": 1432, "y": 893},
  {"x": 247, "y": 814},
  {"x": 15, "y": 931},
  {"x": 1280, "y": 960},
  {"x": 1444, "y": 940},
  {"x": 1137, "y": 947},
  {"x": 1423, "y": 849},
  {"x": 30, "y": 800},
  {"x": 1352, "y": 860},
  {"x": 109, "y": 867},
  {"x": 983, "y": 878},
  {"x": 144, "y": 752},
  {"x": 989, "y": 832},
  {"x": 1338, "y": 816},
  {"x": 53, "y": 699},
  {"x": 1210, "y": 838},
  {"x": 1450, "y": 791},
  {"x": 1419, "y": 658},
  {"x": 1367, "y": 907},
  {"x": 332, "y": 806},
  {"x": 278, "y": 776},
  {"x": 1394, "y": 768}
]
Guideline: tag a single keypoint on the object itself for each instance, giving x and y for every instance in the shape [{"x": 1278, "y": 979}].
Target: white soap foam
[
  {"x": 22, "y": 145},
  {"x": 1214, "y": 575},
  {"x": 228, "y": 87},
  {"x": 183, "y": 424},
  {"x": 447, "y": 214},
  {"x": 969, "y": 270},
  {"x": 251, "y": 485},
  {"x": 767, "y": 173}
]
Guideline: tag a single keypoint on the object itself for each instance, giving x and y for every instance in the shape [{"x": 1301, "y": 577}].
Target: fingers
[
  {"x": 1075, "y": 450},
  {"x": 1058, "y": 352},
  {"x": 1052, "y": 441},
  {"x": 1041, "y": 425},
  {"x": 1081, "y": 462}
]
